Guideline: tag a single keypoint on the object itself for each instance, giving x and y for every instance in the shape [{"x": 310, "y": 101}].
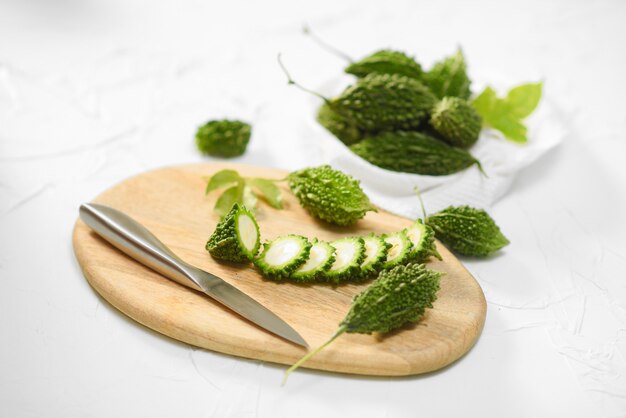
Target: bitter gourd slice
[
  {"x": 282, "y": 256},
  {"x": 375, "y": 254},
  {"x": 349, "y": 254},
  {"x": 400, "y": 251},
  {"x": 422, "y": 237},
  {"x": 321, "y": 257},
  {"x": 236, "y": 238}
]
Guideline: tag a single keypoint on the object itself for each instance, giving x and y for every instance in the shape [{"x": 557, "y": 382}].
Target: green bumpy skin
[
  {"x": 449, "y": 77},
  {"x": 373, "y": 263},
  {"x": 330, "y": 195},
  {"x": 347, "y": 265},
  {"x": 456, "y": 121},
  {"x": 223, "y": 138},
  {"x": 467, "y": 231},
  {"x": 422, "y": 237},
  {"x": 385, "y": 101},
  {"x": 294, "y": 256},
  {"x": 343, "y": 128},
  {"x": 227, "y": 242},
  {"x": 386, "y": 62},
  {"x": 324, "y": 255},
  {"x": 400, "y": 250},
  {"x": 398, "y": 296},
  {"x": 413, "y": 152}
]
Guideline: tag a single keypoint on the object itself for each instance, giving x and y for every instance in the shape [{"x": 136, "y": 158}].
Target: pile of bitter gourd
[{"x": 401, "y": 118}]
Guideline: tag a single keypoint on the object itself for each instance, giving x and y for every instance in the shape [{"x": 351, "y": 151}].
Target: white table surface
[{"x": 92, "y": 92}]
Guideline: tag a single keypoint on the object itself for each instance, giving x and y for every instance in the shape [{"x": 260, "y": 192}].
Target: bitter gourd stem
[
  {"x": 291, "y": 81},
  {"x": 419, "y": 196},
  {"x": 325, "y": 45},
  {"x": 310, "y": 354}
]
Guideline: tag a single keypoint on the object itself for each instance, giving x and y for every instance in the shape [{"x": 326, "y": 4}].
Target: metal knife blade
[{"x": 135, "y": 240}]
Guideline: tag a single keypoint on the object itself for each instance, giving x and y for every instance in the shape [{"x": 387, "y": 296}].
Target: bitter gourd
[
  {"x": 376, "y": 249},
  {"x": 467, "y": 231},
  {"x": 449, "y": 77},
  {"x": 413, "y": 152},
  {"x": 342, "y": 127},
  {"x": 422, "y": 237},
  {"x": 282, "y": 256},
  {"x": 236, "y": 237},
  {"x": 400, "y": 250},
  {"x": 385, "y": 101},
  {"x": 398, "y": 296},
  {"x": 349, "y": 254},
  {"x": 321, "y": 257},
  {"x": 330, "y": 194},
  {"x": 386, "y": 62},
  {"x": 456, "y": 121},
  {"x": 223, "y": 138}
]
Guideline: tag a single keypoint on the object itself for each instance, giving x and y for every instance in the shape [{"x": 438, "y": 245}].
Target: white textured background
[{"x": 92, "y": 92}]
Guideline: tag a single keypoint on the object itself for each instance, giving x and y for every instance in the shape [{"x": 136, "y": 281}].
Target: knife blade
[{"x": 135, "y": 240}]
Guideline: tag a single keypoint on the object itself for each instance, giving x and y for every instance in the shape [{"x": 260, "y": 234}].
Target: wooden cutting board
[{"x": 171, "y": 203}]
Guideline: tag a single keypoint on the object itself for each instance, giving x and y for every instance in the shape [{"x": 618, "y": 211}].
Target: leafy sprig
[
  {"x": 506, "y": 114},
  {"x": 243, "y": 190}
]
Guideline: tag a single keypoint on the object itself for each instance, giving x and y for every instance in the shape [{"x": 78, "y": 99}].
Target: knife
[{"x": 135, "y": 240}]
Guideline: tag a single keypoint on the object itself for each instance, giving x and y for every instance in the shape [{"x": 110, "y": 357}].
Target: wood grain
[{"x": 171, "y": 203}]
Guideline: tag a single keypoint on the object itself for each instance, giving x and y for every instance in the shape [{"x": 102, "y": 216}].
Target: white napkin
[{"x": 500, "y": 159}]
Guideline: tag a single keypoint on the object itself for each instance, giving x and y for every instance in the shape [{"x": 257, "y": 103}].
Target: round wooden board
[{"x": 171, "y": 203}]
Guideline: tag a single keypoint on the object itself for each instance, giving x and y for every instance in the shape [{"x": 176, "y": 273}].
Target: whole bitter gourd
[
  {"x": 456, "y": 121},
  {"x": 330, "y": 195},
  {"x": 413, "y": 152},
  {"x": 467, "y": 231},
  {"x": 386, "y": 62},
  {"x": 449, "y": 77},
  {"x": 342, "y": 127},
  {"x": 223, "y": 138},
  {"x": 398, "y": 296},
  {"x": 385, "y": 101}
]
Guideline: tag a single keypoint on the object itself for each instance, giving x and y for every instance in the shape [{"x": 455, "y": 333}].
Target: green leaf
[
  {"x": 226, "y": 201},
  {"x": 485, "y": 103},
  {"x": 523, "y": 100},
  {"x": 249, "y": 198},
  {"x": 268, "y": 190},
  {"x": 221, "y": 179},
  {"x": 512, "y": 129},
  {"x": 506, "y": 114}
]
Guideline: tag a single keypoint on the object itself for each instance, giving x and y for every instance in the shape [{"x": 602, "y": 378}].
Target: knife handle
[{"x": 135, "y": 240}]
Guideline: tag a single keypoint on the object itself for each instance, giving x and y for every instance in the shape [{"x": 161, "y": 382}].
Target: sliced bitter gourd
[
  {"x": 281, "y": 257},
  {"x": 236, "y": 238},
  {"x": 400, "y": 251},
  {"x": 349, "y": 254},
  {"x": 321, "y": 257},
  {"x": 375, "y": 254},
  {"x": 422, "y": 237}
]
